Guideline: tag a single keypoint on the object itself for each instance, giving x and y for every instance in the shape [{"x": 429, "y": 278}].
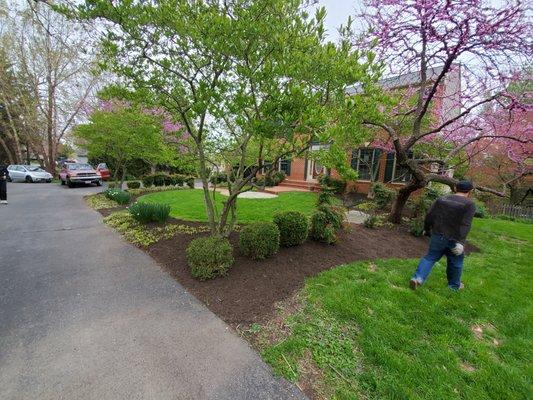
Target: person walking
[
  {"x": 4, "y": 173},
  {"x": 448, "y": 222}
]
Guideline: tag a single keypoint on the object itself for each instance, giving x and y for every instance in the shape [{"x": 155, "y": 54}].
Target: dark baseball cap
[{"x": 464, "y": 186}]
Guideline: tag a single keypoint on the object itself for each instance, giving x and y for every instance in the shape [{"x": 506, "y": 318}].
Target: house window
[
  {"x": 285, "y": 166},
  {"x": 394, "y": 172},
  {"x": 366, "y": 163}
]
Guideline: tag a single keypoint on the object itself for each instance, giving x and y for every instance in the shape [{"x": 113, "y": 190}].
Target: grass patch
[
  {"x": 374, "y": 338},
  {"x": 189, "y": 205},
  {"x": 145, "y": 235}
]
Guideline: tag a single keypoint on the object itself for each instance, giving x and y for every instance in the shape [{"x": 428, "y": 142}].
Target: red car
[
  {"x": 73, "y": 173},
  {"x": 104, "y": 171}
]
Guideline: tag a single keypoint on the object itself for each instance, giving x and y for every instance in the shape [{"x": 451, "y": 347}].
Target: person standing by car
[
  {"x": 448, "y": 221},
  {"x": 4, "y": 173}
]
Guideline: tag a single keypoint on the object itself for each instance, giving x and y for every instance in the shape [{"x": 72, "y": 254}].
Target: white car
[{"x": 28, "y": 173}]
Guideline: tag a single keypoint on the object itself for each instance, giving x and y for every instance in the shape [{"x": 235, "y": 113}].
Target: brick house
[{"x": 375, "y": 164}]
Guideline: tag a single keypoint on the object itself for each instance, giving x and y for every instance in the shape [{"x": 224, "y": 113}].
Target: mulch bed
[
  {"x": 251, "y": 289},
  {"x": 249, "y": 292}
]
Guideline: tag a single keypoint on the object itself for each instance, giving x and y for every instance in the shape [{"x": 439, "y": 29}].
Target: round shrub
[
  {"x": 117, "y": 195},
  {"x": 325, "y": 222},
  {"x": 293, "y": 227},
  {"x": 209, "y": 257},
  {"x": 133, "y": 184},
  {"x": 259, "y": 240}
]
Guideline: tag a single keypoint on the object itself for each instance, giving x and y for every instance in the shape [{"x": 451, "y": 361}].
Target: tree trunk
[
  {"x": 404, "y": 193},
  {"x": 7, "y": 151},
  {"x": 123, "y": 177}
]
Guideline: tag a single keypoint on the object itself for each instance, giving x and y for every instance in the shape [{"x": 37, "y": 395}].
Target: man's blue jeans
[{"x": 440, "y": 246}]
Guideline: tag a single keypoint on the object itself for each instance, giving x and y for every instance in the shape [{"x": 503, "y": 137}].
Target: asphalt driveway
[{"x": 85, "y": 315}]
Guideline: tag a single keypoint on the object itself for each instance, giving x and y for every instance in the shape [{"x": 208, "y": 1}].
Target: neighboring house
[{"x": 376, "y": 164}]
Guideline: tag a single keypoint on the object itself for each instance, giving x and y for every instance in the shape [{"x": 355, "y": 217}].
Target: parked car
[
  {"x": 73, "y": 173},
  {"x": 104, "y": 171},
  {"x": 28, "y": 173}
]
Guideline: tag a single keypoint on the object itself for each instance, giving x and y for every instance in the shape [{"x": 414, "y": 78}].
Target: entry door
[{"x": 314, "y": 169}]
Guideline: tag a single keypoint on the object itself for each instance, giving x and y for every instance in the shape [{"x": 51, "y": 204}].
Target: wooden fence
[{"x": 514, "y": 211}]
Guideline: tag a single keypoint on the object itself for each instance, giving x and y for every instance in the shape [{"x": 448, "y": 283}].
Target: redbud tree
[{"x": 464, "y": 54}]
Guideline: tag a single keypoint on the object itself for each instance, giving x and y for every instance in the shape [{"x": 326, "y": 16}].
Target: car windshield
[
  {"x": 35, "y": 169},
  {"x": 75, "y": 167},
  {"x": 102, "y": 166}
]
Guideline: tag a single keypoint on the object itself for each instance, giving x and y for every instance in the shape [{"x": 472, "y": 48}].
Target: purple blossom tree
[{"x": 458, "y": 58}]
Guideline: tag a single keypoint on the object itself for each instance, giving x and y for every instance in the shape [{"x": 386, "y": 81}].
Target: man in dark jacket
[
  {"x": 4, "y": 173},
  {"x": 448, "y": 221}
]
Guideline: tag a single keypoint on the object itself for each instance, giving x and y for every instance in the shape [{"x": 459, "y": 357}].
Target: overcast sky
[{"x": 337, "y": 14}]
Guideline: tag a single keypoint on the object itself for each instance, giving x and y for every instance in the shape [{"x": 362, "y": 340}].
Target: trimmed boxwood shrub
[
  {"x": 325, "y": 222},
  {"x": 117, "y": 195},
  {"x": 259, "y": 240},
  {"x": 209, "y": 257},
  {"x": 133, "y": 184},
  {"x": 149, "y": 212},
  {"x": 293, "y": 227},
  {"x": 157, "y": 179}
]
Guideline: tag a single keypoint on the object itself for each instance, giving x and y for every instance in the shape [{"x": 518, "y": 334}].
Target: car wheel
[
  {"x": 28, "y": 179},
  {"x": 48, "y": 181},
  {"x": 98, "y": 183},
  {"x": 9, "y": 179},
  {"x": 70, "y": 184}
]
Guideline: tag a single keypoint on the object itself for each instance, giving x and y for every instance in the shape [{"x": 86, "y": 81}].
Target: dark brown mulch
[{"x": 248, "y": 294}]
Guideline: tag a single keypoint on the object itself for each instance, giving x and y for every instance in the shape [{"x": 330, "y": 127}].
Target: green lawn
[
  {"x": 189, "y": 204},
  {"x": 370, "y": 337}
]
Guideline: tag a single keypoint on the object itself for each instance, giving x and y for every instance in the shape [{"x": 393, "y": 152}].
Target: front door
[{"x": 314, "y": 169}]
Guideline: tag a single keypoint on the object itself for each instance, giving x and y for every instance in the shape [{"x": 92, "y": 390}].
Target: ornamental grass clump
[
  {"x": 149, "y": 212},
  {"x": 209, "y": 257},
  {"x": 117, "y": 195},
  {"x": 259, "y": 240},
  {"x": 293, "y": 227}
]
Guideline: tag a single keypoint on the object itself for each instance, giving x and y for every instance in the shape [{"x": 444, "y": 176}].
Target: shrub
[
  {"x": 117, "y": 195},
  {"x": 259, "y": 240},
  {"x": 367, "y": 206},
  {"x": 325, "y": 222},
  {"x": 149, "y": 212},
  {"x": 481, "y": 209},
  {"x": 112, "y": 185},
  {"x": 157, "y": 179},
  {"x": 371, "y": 221},
  {"x": 293, "y": 227},
  {"x": 277, "y": 177},
  {"x": 177, "y": 179},
  {"x": 133, "y": 184},
  {"x": 383, "y": 196},
  {"x": 416, "y": 227},
  {"x": 209, "y": 257},
  {"x": 218, "y": 177},
  {"x": 189, "y": 180},
  {"x": 338, "y": 186}
]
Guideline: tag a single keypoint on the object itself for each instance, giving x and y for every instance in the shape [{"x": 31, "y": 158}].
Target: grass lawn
[
  {"x": 189, "y": 204},
  {"x": 366, "y": 335}
]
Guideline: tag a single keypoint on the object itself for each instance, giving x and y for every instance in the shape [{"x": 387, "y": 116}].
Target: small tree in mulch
[{"x": 327, "y": 220}]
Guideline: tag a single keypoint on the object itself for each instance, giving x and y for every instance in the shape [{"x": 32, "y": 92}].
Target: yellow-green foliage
[
  {"x": 99, "y": 202},
  {"x": 143, "y": 235}
]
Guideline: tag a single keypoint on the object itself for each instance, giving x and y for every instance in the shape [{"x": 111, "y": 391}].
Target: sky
[{"x": 337, "y": 14}]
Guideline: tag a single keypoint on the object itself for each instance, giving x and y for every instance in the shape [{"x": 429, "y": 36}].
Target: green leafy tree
[
  {"x": 251, "y": 81},
  {"x": 124, "y": 134}
]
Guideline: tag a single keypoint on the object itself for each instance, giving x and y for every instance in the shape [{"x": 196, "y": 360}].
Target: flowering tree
[
  {"x": 124, "y": 133},
  {"x": 254, "y": 80},
  {"x": 458, "y": 58}
]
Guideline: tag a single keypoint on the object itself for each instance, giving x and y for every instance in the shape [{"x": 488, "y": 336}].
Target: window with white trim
[{"x": 366, "y": 163}]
